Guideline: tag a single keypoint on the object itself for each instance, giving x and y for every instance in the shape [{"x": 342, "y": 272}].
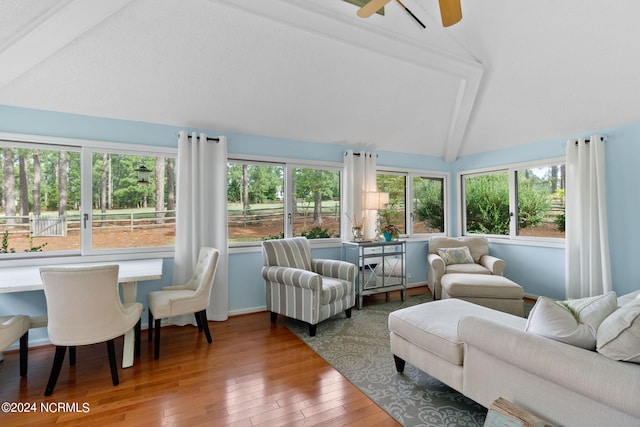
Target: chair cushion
[
  {"x": 480, "y": 286},
  {"x": 333, "y": 289},
  {"x": 165, "y": 304},
  {"x": 466, "y": 269}
]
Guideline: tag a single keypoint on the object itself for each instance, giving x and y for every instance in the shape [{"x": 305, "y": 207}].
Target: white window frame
[
  {"x": 289, "y": 165},
  {"x": 511, "y": 170},
  {"x": 86, "y": 148},
  {"x": 409, "y": 175}
]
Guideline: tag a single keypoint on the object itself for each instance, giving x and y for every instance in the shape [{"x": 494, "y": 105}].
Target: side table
[{"x": 381, "y": 267}]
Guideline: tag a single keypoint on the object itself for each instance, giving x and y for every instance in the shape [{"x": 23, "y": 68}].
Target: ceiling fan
[{"x": 450, "y": 11}]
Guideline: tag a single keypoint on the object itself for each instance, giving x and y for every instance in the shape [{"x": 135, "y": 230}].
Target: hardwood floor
[{"x": 253, "y": 374}]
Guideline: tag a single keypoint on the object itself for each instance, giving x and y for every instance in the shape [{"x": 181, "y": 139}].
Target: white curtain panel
[
  {"x": 588, "y": 270},
  {"x": 201, "y": 215},
  {"x": 359, "y": 177}
]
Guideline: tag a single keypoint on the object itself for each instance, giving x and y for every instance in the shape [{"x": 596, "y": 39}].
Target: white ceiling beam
[
  {"x": 369, "y": 37},
  {"x": 55, "y": 29}
]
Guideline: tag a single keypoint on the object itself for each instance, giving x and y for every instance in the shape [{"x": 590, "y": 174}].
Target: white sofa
[{"x": 486, "y": 354}]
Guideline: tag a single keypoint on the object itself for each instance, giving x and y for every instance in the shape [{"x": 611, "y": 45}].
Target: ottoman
[
  {"x": 426, "y": 336},
  {"x": 496, "y": 292}
]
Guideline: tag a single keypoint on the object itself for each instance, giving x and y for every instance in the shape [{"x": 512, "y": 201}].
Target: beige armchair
[
  {"x": 191, "y": 297},
  {"x": 310, "y": 290},
  {"x": 13, "y": 328},
  {"x": 84, "y": 307},
  {"x": 482, "y": 262}
]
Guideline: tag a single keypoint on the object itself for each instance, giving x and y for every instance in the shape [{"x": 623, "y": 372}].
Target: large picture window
[
  {"x": 522, "y": 201},
  {"x": 268, "y": 200},
  {"x": 79, "y": 199},
  {"x": 40, "y": 199},
  {"x": 127, "y": 213}
]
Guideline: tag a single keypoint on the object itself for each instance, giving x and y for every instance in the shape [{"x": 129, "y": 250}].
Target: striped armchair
[{"x": 302, "y": 288}]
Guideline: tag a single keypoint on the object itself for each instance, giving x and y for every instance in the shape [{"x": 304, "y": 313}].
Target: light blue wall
[{"x": 540, "y": 270}]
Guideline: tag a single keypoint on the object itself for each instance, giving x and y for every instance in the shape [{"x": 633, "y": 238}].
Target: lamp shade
[{"x": 374, "y": 200}]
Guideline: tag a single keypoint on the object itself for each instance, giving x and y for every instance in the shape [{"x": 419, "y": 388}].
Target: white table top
[{"x": 22, "y": 279}]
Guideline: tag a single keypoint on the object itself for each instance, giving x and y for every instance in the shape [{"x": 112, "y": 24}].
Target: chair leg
[
  {"x": 150, "y": 327},
  {"x": 72, "y": 355},
  {"x": 111, "y": 349},
  {"x": 198, "y": 321},
  {"x": 347, "y": 312},
  {"x": 138, "y": 337},
  {"x": 156, "y": 344},
  {"x": 274, "y": 317},
  {"x": 55, "y": 369},
  {"x": 24, "y": 353},
  {"x": 202, "y": 315},
  {"x": 312, "y": 330}
]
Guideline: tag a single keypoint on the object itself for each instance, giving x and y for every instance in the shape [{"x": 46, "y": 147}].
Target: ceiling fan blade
[
  {"x": 372, "y": 7},
  {"x": 451, "y": 12}
]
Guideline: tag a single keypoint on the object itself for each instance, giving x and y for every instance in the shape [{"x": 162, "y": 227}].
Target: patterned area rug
[{"x": 359, "y": 349}]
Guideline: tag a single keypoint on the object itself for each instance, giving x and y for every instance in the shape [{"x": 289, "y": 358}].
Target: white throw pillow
[
  {"x": 619, "y": 334},
  {"x": 573, "y": 322},
  {"x": 459, "y": 255}
]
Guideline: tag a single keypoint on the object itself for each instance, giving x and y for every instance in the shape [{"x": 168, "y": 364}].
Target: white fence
[{"x": 50, "y": 226}]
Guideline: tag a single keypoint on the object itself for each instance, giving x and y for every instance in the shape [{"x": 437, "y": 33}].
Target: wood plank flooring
[{"x": 253, "y": 374}]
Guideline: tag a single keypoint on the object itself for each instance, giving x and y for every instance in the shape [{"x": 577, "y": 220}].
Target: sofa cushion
[
  {"x": 573, "y": 322},
  {"x": 433, "y": 326},
  {"x": 618, "y": 336},
  {"x": 459, "y": 255}
]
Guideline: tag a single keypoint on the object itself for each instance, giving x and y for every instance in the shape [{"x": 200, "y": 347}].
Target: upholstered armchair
[
  {"x": 13, "y": 328},
  {"x": 310, "y": 290},
  {"x": 446, "y": 255}
]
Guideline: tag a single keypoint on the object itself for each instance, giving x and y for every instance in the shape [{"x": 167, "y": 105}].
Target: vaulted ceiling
[{"x": 509, "y": 73}]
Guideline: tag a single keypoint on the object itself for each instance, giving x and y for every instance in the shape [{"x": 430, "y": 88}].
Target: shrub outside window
[
  {"x": 423, "y": 212},
  {"x": 523, "y": 201}
]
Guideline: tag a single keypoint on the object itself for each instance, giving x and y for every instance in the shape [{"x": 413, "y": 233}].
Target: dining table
[{"x": 27, "y": 278}]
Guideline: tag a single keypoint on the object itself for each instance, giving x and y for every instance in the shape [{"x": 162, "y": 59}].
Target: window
[
  {"x": 396, "y": 185},
  {"x": 127, "y": 213},
  {"x": 531, "y": 194},
  {"x": 40, "y": 199},
  {"x": 316, "y": 203},
  {"x": 425, "y": 206},
  {"x": 255, "y": 201},
  {"x": 428, "y": 205},
  {"x": 63, "y": 196},
  {"x": 268, "y": 200}
]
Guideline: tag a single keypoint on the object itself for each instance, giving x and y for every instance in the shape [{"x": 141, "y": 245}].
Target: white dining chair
[
  {"x": 84, "y": 307},
  {"x": 13, "y": 328},
  {"x": 191, "y": 297}
]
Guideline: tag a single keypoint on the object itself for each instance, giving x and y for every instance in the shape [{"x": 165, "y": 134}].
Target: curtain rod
[
  {"x": 357, "y": 154},
  {"x": 208, "y": 139},
  {"x": 586, "y": 141}
]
